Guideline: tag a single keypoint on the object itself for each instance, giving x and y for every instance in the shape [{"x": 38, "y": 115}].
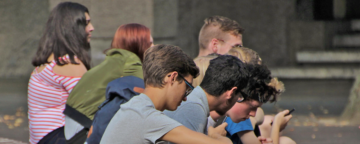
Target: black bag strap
[
  {"x": 77, "y": 116},
  {"x": 78, "y": 138}
]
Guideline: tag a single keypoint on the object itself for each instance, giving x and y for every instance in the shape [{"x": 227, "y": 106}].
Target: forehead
[
  {"x": 254, "y": 103},
  {"x": 234, "y": 39},
  {"x": 87, "y": 16}
]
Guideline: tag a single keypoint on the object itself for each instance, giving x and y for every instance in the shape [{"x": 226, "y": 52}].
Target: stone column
[{"x": 21, "y": 26}]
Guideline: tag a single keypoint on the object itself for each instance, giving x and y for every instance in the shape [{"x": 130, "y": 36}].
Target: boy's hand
[
  {"x": 282, "y": 120},
  {"x": 218, "y": 130},
  {"x": 219, "y": 133}
]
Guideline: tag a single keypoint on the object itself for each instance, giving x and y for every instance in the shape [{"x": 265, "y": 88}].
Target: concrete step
[
  {"x": 355, "y": 25},
  {"x": 328, "y": 57},
  {"x": 349, "y": 40},
  {"x": 315, "y": 72},
  {"x": 321, "y": 97}
]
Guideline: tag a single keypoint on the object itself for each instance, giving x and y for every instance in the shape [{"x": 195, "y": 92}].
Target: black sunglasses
[{"x": 188, "y": 91}]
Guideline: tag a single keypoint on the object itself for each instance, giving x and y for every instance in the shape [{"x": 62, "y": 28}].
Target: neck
[
  {"x": 157, "y": 96},
  {"x": 204, "y": 52},
  {"x": 212, "y": 101}
]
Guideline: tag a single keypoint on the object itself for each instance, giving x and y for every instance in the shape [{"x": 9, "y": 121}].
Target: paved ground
[{"x": 318, "y": 105}]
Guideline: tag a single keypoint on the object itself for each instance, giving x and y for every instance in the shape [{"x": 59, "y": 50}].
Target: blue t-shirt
[{"x": 234, "y": 128}]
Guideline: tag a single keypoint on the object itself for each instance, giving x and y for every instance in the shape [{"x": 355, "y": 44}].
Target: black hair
[
  {"x": 258, "y": 85},
  {"x": 224, "y": 73},
  {"x": 65, "y": 34}
]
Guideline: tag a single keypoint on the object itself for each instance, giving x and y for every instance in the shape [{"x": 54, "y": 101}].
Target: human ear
[
  {"x": 231, "y": 92},
  {"x": 171, "y": 77},
  {"x": 214, "y": 45}
]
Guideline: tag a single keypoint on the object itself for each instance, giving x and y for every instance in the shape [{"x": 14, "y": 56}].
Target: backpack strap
[
  {"x": 78, "y": 116},
  {"x": 79, "y": 137}
]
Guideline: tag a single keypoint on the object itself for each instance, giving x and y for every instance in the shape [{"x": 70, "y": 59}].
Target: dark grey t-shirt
[
  {"x": 136, "y": 122},
  {"x": 194, "y": 112}
]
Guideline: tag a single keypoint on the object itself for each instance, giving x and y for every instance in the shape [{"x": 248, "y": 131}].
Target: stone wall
[
  {"x": 108, "y": 15},
  {"x": 265, "y": 24},
  {"x": 21, "y": 26},
  {"x": 275, "y": 29}
]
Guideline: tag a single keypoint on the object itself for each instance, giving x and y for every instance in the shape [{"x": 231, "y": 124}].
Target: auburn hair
[{"x": 132, "y": 37}]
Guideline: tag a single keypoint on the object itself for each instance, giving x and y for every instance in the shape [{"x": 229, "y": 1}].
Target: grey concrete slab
[
  {"x": 352, "y": 40},
  {"x": 323, "y": 134},
  {"x": 315, "y": 72},
  {"x": 328, "y": 57},
  {"x": 355, "y": 25}
]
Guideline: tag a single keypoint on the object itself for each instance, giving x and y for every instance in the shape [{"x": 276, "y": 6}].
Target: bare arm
[
  {"x": 181, "y": 134},
  {"x": 248, "y": 137},
  {"x": 280, "y": 122}
]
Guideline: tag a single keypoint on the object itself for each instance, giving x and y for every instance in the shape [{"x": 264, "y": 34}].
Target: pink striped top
[{"x": 47, "y": 95}]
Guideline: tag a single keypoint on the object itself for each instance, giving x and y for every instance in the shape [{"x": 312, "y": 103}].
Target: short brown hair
[
  {"x": 218, "y": 27},
  {"x": 162, "y": 59}
]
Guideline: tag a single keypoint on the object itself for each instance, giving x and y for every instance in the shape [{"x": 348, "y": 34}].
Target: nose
[
  {"x": 91, "y": 28},
  {"x": 184, "y": 99}
]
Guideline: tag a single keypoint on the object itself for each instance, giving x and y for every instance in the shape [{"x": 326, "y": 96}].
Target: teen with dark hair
[
  {"x": 122, "y": 59},
  {"x": 168, "y": 74},
  {"x": 60, "y": 61},
  {"x": 221, "y": 87},
  {"x": 241, "y": 128}
]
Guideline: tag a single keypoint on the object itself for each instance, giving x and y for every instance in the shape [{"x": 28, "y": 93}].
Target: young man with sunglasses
[
  {"x": 168, "y": 74},
  {"x": 221, "y": 87}
]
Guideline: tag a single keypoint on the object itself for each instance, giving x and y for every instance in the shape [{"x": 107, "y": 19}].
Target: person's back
[
  {"x": 196, "y": 106},
  {"x": 90, "y": 91},
  {"x": 135, "y": 116},
  {"x": 47, "y": 93}
]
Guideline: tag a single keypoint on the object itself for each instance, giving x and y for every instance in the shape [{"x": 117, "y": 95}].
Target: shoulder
[
  {"x": 188, "y": 108},
  {"x": 76, "y": 70},
  {"x": 233, "y": 128},
  {"x": 140, "y": 104},
  {"x": 121, "y": 52}
]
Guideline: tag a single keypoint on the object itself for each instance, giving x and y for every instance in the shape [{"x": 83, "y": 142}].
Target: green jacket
[{"x": 89, "y": 92}]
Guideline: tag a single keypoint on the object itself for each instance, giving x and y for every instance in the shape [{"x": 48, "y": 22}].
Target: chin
[{"x": 172, "y": 109}]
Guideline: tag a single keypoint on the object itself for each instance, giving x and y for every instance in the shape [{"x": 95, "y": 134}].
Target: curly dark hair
[{"x": 258, "y": 87}]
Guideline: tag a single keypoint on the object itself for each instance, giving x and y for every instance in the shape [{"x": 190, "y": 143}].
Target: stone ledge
[
  {"x": 351, "y": 40},
  {"x": 355, "y": 25},
  {"x": 328, "y": 57},
  {"x": 315, "y": 73}
]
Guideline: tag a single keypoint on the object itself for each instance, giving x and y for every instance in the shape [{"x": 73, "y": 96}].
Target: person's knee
[
  {"x": 259, "y": 116},
  {"x": 267, "y": 122},
  {"x": 286, "y": 140}
]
